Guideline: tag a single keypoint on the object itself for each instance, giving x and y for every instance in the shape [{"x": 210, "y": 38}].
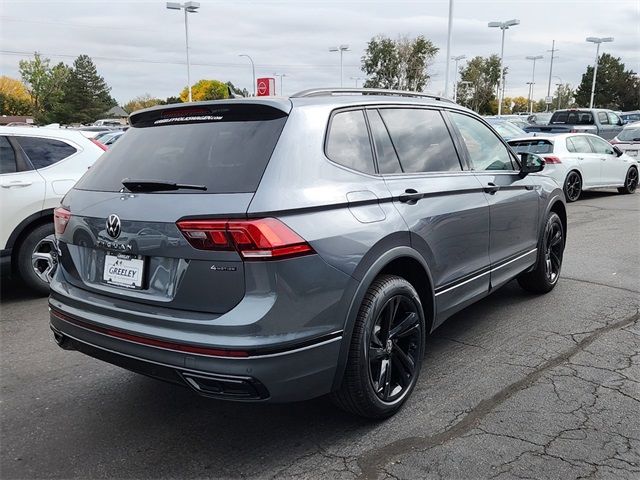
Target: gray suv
[{"x": 281, "y": 249}]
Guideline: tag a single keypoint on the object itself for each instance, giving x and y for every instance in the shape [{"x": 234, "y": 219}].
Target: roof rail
[{"x": 321, "y": 92}]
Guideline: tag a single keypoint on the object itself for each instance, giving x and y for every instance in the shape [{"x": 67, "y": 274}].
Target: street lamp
[
  {"x": 341, "y": 49},
  {"x": 533, "y": 80},
  {"x": 253, "y": 70},
  {"x": 188, "y": 7},
  {"x": 281, "y": 75},
  {"x": 597, "y": 41},
  {"x": 455, "y": 76},
  {"x": 502, "y": 26},
  {"x": 357, "y": 79},
  {"x": 449, "y": 34}
]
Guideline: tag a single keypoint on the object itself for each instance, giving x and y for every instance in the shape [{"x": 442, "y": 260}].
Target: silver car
[{"x": 297, "y": 247}]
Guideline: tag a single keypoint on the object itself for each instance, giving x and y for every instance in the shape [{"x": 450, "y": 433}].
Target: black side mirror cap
[
  {"x": 530, "y": 163},
  {"x": 617, "y": 150}
]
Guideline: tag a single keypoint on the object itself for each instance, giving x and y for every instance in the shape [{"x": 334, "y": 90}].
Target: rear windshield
[
  {"x": 224, "y": 148},
  {"x": 572, "y": 118},
  {"x": 532, "y": 146},
  {"x": 630, "y": 134}
]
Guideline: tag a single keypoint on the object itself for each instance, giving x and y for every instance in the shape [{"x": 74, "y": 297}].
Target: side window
[
  {"x": 600, "y": 146},
  {"x": 45, "y": 151},
  {"x": 486, "y": 151},
  {"x": 385, "y": 152},
  {"x": 613, "y": 118},
  {"x": 7, "y": 157},
  {"x": 578, "y": 144},
  {"x": 421, "y": 139},
  {"x": 602, "y": 118},
  {"x": 348, "y": 142}
]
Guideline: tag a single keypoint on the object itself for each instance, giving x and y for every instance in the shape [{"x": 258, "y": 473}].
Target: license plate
[{"x": 123, "y": 271}]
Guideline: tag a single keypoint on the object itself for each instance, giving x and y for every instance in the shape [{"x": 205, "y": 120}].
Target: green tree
[
  {"x": 86, "y": 94},
  {"x": 206, "y": 90},
  {"x": 44, "y": 84},
  {"x": 171, "y": 100},
  {"x": 14, "y": 97},
  {"x": 616, "y": 87},
  {"x": 142, "y": 101},
  {"x": 520, "y": 104},
  {"x": 563, "y": 97},
  {"x": 478, "y": 84},
  {"x": 400, "y": 64}
]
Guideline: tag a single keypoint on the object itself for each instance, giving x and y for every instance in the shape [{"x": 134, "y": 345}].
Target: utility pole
[{"x": 553, "y": 50}]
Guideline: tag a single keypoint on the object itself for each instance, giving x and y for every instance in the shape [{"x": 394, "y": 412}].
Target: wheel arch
[
  {"x": 557, "y": 206},
  {"x": 32, "y": 221},
  {"x": 405, "y": 262}
]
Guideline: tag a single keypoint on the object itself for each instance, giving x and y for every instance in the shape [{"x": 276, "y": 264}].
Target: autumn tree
[
  {"x": 14, "y": 97},
  {"x": 400, "y": 64},
  {"x": 44, "y": 84},
  {"x": 616, "y": 88},
  {"x": 520, "y": 104},
  {"x": 206, "y": 90},
  {"x": 142, "y": 101},
  {"x": 478, "y": 83}
]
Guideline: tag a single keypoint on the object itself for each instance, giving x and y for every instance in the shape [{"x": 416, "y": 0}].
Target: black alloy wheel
[
  {"x": 630, "y": 182},
  {"x": 553, "y": 250},
  {"x": 394, "y": 343},
  {"x": 573, "y": 186}
]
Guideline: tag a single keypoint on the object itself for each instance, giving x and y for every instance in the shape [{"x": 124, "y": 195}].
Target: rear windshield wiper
[{"x": 157, "y": 185}]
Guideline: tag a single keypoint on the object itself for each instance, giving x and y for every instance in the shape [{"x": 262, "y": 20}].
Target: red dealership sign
[{"x": 266, "y": 86}]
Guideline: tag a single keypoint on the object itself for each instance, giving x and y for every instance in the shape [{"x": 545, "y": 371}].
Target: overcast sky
[{"x": 138, "y": 46}]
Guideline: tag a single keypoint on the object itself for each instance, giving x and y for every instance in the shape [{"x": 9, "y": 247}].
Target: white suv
[{"x": 37, "y": 168}]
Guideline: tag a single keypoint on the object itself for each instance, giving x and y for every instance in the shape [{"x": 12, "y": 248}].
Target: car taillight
[
  {"x": 99, "y": 144},
  {"x": 259, "y": 239},
  {"x": 61, "y": 218},
  {"x": 551, "y": 159}
]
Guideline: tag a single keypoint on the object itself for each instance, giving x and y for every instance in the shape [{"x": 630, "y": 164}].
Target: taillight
[
  {"x": 61, "y": 218},
  {"x": 259, "y": 239},
  {"x": 551, "y": 159},
  {"x": 99, "y": 144}
]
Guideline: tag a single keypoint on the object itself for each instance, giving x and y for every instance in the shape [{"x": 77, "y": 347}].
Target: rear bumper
[{"x": 296, "y": 374}]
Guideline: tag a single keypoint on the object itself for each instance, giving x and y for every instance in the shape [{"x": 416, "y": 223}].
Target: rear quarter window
[
  {"x": 43, "y": 152},
  {"x": 348, "y": 141}
]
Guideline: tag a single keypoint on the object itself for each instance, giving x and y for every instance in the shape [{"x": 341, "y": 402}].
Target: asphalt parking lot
[{"x": 516, "y": 386}]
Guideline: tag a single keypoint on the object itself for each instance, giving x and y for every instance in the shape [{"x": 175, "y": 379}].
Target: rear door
[
  {"x": 587, "y": 161},
  {"x": 22, "y": 189},
  {"x": 126, "y": 243},
  {"x": 616, "y": 125},
  {"x": 513, "y": 201},
  {"x": 443, "y": 206}
]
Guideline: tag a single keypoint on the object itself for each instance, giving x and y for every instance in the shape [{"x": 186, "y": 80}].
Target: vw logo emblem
[{"x": 113, "y": 226}]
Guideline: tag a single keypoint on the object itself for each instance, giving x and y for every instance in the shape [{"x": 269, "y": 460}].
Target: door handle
[
  {"x": 491, "y": 188},
  {"x": 410, "y": 196},
  {"x": 16, "y": 184},
  {"x": 579, "y": 158}
]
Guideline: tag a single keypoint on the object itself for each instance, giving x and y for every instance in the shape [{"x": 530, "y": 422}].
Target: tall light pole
[
  {"x": 357, "y": 79},
  {"x": 533, "y": 79},
  {"x": 597, "y": 41},
  {"x": 502, "y": 26},
  {"x": 188, "y": 7},
  {"x": 448, "y": 66},
  {"x": 253, "y": 70},
  {"x": 281, "y": 75},
  {"x": 455, "y": 77},
  {"x": 553, "y": 51},
  {"x": 341, "y": 49}
]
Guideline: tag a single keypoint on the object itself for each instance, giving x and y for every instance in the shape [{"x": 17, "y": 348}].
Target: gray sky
[{"x": 138, "y": 46}]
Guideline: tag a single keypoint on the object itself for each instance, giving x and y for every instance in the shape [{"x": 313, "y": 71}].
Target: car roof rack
[{"x": 322, "y": 92}]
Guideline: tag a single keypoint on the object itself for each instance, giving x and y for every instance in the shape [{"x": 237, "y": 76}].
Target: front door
[
  {"x": 513, "y": 201},
  {"x": 613, "y": 169}
]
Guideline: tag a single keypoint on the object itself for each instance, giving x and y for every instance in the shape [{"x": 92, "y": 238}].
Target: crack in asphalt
[
  {"x": 591, "y": 282},
  {"x": 372, "y": 463}
]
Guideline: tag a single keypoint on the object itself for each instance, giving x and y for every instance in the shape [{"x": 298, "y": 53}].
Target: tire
[
  {"x": 572, "y": 186},
  {"x": 630, "y": 182},
  {"x": 38, "y": 241},
  {"x": 546, "y": 272},
  {"x": 384, "y": 361}
]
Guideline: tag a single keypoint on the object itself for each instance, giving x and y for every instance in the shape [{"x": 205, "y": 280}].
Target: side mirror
[
  {"x": 617, "y": 151},
  {"x": 530, "y": 163}
]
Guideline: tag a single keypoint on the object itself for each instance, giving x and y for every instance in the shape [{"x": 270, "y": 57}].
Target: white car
[
  {"x": 628, "y": 140},
  {"x": 581, "y": 161},
  {"x": 37, "y": 168}
]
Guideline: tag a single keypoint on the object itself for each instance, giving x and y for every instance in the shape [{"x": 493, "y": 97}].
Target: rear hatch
[{"x": 118, "y": 228}]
